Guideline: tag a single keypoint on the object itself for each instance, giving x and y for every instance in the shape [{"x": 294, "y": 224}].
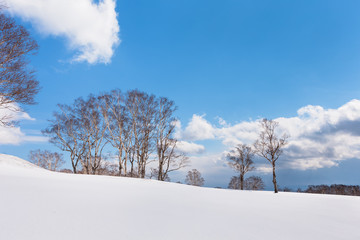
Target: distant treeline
[{"x": 337, "y": 189}]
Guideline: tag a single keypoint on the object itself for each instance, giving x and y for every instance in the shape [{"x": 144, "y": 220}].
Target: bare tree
[
  {"x": 171, "y": 159},
  {"x": 142, "y": 111},
  {"x": 46, "y": 159},
  {"x": 117, "y": 123},
  {"x": 64, "y": 133},
  {"x": 269, "y": 145},
  {"x": 240, "y": 159},
  {"x": 154, "y": 173},
  {"x": 234, "y": 183},
  {"x": 80, "y": 129},
  {"x": 92, "y": 131},
  {"x": 168, "y": 158},
  {"x": 254, "y": 183},
  {"x": 194, "y": 178},
  {"x": 17, "y": 81}
]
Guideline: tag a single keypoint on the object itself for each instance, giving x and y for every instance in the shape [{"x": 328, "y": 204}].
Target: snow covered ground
[{"x": 42, "y": 205}]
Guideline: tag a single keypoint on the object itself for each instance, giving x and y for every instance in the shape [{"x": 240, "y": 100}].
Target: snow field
[{"x": 41, "y": 205}]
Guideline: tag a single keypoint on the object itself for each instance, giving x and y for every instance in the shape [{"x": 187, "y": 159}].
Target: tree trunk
[
  {"x": 132, "y": 169},
  {"x": 73, "y": 163},
  {"x": 160, "y": 172},
  {"x": 74, "y": 167},
  {"x": 274, "y": 178},
  {"x": 242, "y": 181},
  {"x": 120, "y": 165}
]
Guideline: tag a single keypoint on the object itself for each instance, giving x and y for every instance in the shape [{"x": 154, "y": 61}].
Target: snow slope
[{"x": 42, "y": 205}]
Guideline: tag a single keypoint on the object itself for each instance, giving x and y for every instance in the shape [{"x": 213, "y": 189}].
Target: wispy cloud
[
  {"x": 14, "y": 135},
  {"x": 90, "y": 28}
]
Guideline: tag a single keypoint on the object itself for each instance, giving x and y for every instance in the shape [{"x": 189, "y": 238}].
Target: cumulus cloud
[
  {"x": 197, "y": 129},
  {"x": 200, "y": 129},
  {"x": 189, "y": 147},
  {"x": 90, "y": 28},
  {"x": 14, "y": 135},
  {"x": 318, "y": 137}
]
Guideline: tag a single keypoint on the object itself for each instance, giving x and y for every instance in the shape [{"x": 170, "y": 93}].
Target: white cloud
[
  {"x": 208, "y": 163},
  {"x": 189, "y": 147},
  {"x": 318, "y": 137},
  {"x": 14, "y": 135},
  {"x": 91, "y": 28},
  {"x": 198, "y": 129},
  {"x": 221, "y": 121}
]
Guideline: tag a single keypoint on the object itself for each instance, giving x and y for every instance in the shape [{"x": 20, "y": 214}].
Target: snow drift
[{"x": 42, "y": 205}]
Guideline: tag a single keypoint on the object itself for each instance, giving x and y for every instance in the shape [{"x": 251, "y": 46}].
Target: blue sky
[{"x": 232, "y": 60}]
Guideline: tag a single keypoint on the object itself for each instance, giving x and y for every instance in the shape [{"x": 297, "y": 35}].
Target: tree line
[
  {"x": 338, "y": 189},
  {"x": 138, "y": 126}
]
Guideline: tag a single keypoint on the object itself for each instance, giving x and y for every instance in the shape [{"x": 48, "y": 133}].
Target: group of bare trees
[
  {"x": 250, "y": 183},
  {"x": 46, "y": 159},
  {"x": 138, "y": 126},
  {"x": 268, "y": 146}
]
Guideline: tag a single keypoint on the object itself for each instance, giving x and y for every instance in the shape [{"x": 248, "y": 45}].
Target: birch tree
[
  {"x": 64, "y": 132},
  {"x": 168, "y": 158},
  {"x": 270, "y": 146},
  {"x": 117, "y": 121},
  {"x": 92, "y": 128},
  {"x": 241, "y": 161}
]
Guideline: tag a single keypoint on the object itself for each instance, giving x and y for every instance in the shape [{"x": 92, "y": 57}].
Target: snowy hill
[
  {"x": 15, "y": 166},
  {"x": 41, "y": 205}
]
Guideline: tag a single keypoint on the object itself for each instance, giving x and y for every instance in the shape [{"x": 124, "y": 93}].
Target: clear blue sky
[{"x": 238, "y": 60}]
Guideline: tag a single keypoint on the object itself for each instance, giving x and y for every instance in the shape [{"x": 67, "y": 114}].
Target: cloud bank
[
  {"x": 90, "y": 28},
  {"x": 318, "y": 137},
  {"x": 14, "y": 135}
]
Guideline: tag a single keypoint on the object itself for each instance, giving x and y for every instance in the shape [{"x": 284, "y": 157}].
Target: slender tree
[
  {"x": 241, "y": 161},
  {"x": 168, "y": 157},
  {"x": 142, "y": 109},
  {"x": 92, "y": 132},
  {"x": 64, "y": 132},
  {"x": 269, "y": 145},
  {"x": 116, "y": 120}
]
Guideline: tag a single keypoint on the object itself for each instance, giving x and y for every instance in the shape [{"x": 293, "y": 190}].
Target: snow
[{"x": 39, "y": 204}]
